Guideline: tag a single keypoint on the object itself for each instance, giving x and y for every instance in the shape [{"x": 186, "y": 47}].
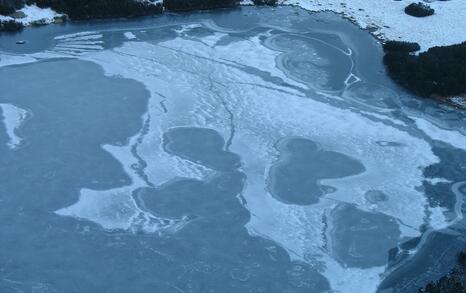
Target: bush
[
  {"x": 10, "y": 26},
  {"x": 185, "y": 5},
  {"x": 6, "y": 9},
  {"x": 88, "y": 9},
  {"x": 391, "y": 46},
  {"x": 441, "y": 71},
  {"x": 419, "y": 10},
  {"x": 265, "y": 2}
]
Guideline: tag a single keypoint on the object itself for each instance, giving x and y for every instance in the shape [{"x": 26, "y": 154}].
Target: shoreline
[
  {"x": 372, "y": 17},
  {"x": 366, "y": 17}
]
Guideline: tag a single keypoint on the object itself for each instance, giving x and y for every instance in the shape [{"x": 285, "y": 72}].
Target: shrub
[
  {"x": 390, "y": 46},
  {"x": 10, "y": 26},
  {"x": 419, "y": 10},
  {"x": 185, "y": 5},
  {"x": 441, "y": 71}
]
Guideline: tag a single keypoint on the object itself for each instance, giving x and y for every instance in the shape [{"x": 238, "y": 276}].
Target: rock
[
  {"x": 39, "y": 22},
  {"x": 419, "y": 10},
  {"x": 18, "y": 14},
  {"x": 60, "y": 19}
]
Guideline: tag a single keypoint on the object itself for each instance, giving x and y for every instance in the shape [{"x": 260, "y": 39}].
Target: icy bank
[
  {"x": 34, "y": 14},
  {"x": 387, "y": 19}
]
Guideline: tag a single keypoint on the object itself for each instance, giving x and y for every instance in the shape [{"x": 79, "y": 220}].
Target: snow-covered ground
[
  {"x": 12, "y": 118},
  {"x": 33, "y": 14},
  {"x": 387, "y": 20},
  {"x": 263, "y": 112}
]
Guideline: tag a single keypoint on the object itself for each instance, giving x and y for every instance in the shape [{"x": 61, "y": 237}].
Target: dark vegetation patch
[
  {"x": 9, "y": 6},
  {"x": 10, "y": 26},
  {"x": 183, "y": 5},
  {"x": 391, "y": 46},
  {"x": 453, "y": 282},
  {"x": 439, "y": 72},
  {"x": 90, "y": 9},
  {"x": 265, "y": 2},
  {"x": 450, "y": 167},
  {"x": 94, "y": 9},
  {"x": 419, "y": 10}
]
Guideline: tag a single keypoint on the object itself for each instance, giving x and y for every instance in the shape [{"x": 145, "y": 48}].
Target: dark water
[
  {"x": 295, "y": 178},
  {"x": 248, "y": 150}
]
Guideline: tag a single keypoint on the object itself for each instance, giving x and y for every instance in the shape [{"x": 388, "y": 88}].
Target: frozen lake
[{"x": 246, "y": 150}]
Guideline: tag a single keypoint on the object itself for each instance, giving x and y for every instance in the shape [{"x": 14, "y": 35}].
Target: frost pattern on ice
[
  {"x": 130, "y": 35},
  {"x": 387, "y": 19},
  {"x": 79, "y": 43},
  {"x": 452, "y": 137}
]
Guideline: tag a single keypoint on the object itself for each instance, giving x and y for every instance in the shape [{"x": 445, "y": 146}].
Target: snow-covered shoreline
[
  {"x": 384, "y": 19},
  {"x": 387, "y": 20}
]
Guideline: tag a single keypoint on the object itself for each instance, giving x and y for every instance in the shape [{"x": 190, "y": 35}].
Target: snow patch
[
  {"x": 387, "y": 19},
  {"x": 33, "y": 14},
  {"x": 13, "y": 118}
]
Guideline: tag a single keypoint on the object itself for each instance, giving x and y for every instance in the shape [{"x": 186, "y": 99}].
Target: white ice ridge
[
  {"x": 387, "y": 19},
  {"x": 34, "y": 13},
  {"x": 451, "y": 137},
  {"x": 129, "y": 35},
  {"x": 13, "y": 118}
]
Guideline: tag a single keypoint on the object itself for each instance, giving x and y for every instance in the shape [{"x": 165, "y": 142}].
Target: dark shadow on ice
[
  {"x": 214, "y": 252},
  {"x": 362, "y": 239},
  {"x": 302, "y": 164},
  {"x": 200, "y": 145}
]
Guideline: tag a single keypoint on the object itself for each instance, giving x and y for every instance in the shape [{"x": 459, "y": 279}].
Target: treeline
[
  {"x": 10, "y": 6},
  {"x": 87, "y": 9},
  {"x": 438, "y": 72},
  {"x": 183, "y": 5},
  {"x": 265, "y": 2},
  {"x": 90, "y": 9}
]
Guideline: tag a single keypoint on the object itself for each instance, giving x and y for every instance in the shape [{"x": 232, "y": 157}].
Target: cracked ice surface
[{"x": 244, "y": 89}]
